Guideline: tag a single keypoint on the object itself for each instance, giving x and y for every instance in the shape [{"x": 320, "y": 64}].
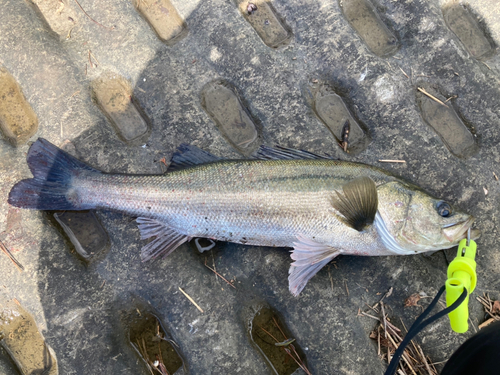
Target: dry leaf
[
  {"x": 496, "y": 308},
  {"x": 412, "y": 300}
]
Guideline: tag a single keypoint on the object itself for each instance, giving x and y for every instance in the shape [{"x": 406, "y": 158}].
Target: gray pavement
[{"x": 85, "y": 307}]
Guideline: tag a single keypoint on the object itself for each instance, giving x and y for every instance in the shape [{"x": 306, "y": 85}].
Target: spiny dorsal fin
[
  {"x": 187, "y": 156},
  {"x": 284, "y": 153},
  {"x": 357, "y": 203}
]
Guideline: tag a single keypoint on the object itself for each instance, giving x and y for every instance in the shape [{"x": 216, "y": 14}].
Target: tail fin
[{"x": 50, "y": 188}]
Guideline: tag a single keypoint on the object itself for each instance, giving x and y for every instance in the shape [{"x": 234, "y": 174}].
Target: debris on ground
[
  {"x": 389, "y": 337},
  {"x": 7, "y": 252},
  {"x": 287, "y": 346},
  {"x": 413, "y": 300},
  {"x": 492, "y": 309}
]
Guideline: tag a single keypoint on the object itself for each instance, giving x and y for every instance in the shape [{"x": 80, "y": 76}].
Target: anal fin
[
  {"x": 309, "y": 257},
  {"x": 166, "y": 241}
]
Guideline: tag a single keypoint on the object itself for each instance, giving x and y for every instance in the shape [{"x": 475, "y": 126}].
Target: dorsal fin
[
  {"x": 283, "y": 153},
  {"x": 357, "y": 203},
  {"x": 187, "y": 156}
]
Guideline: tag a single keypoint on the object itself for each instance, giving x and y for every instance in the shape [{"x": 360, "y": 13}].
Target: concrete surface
[{"x": 79, "y": 305}]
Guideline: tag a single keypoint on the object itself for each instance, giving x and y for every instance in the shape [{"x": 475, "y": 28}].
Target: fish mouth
[{"x": 457, "y": 232}]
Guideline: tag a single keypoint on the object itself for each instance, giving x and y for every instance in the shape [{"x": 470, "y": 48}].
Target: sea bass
[{"x": 318, "y": 206}]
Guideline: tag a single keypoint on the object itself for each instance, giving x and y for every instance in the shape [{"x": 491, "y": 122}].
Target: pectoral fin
[
  {"x": 309, "y": 257},
  {"x": 166, "y": 241},
  {"x": 357, "y": 203}
]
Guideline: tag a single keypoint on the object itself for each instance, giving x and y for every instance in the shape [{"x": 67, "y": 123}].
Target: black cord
[{"x": 420, "y": 324}]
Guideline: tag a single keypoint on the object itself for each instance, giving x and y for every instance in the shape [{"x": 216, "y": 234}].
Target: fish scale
[{"x": 257, "y": 202}]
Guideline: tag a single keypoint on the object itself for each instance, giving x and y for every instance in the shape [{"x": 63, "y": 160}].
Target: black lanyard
[{"x": 420, "y": 324}]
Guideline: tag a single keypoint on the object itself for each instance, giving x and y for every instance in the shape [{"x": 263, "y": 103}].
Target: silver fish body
[
  {"x": 254, "y": 202},
  {"x": 283, "y": 203}
]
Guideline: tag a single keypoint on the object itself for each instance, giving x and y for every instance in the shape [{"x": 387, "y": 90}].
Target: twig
[
  {"x": 384, "y": 320},
  {"x": 144, "y": 354},
  {"x": 370, "y": 307},
  {"x": 296, "y": 361},
  {"x": 96, "y": 63},
  {"x": 68, "y": 36},
  {"x": 472, "y": 324},
  {"x": 269, "y": 333},
  {"x": 370, "y": 316},
  {"x": 487, "y": 323},
  {"x": 406, "y": 75},
  {"x": 346, "y": 288},
  {"x": 90, "y": 61},
  {"x": 278, "y": 326},
  {"x": 191, "y": 300},
  {"x": 404, "y": 356},
  {"x": 425, "y": 360},
  {"x": 451, "y": 97},
  {"x": 7, "y": 252},
  {"x": 285, "y": 344},
  {"x": 75, "y": 93},
  {"x": 486, "y": 65},
  {"x": 218, "y": 274},
  {"x": 391, "y": 161},
  {"x": 91, "y": 54},
  {"x": 331, "y": 280},
  {"x": 431, "y": 96},
  {"x": 413, "y": 358},
  {"x": 378, "y": 339},
  {"x": 213, "y": 263},
  {"x": 386, "y": 294},
  {"x": 93, "y": 20},
  {"x": 487, "y": 302}
]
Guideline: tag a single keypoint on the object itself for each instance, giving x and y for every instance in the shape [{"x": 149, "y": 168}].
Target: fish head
[{"x": 415, "y": 222}]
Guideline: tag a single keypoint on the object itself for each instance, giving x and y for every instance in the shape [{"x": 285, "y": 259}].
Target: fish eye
[{"x": 443, "y": 209}]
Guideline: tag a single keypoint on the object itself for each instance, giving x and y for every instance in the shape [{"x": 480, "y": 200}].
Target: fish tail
[{"x": 51, "y": 186}]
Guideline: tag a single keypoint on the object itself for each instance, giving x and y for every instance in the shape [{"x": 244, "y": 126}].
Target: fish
[{"x": 317, "y": 206}]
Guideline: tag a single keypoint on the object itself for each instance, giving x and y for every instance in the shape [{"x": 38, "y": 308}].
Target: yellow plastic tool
[{"x": 461, "y": 274}]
